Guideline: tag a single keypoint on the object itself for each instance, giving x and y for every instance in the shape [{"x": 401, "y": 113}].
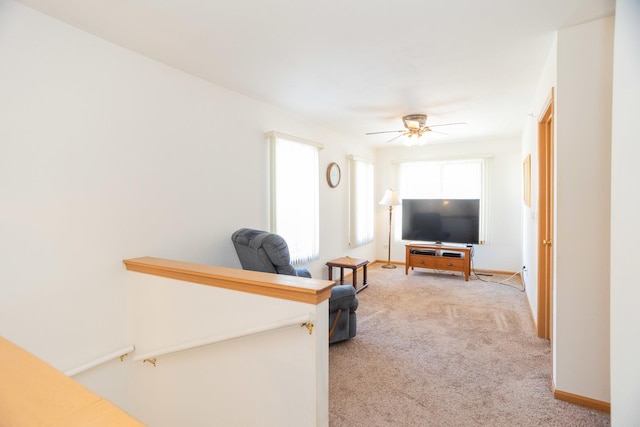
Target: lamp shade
[{"x": 390, "y": 198}]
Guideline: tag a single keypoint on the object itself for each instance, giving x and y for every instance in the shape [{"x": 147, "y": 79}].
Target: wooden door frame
[{"x": 545, "y": 216}]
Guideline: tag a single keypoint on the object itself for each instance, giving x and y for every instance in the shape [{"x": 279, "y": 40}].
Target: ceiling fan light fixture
[{"x": 414, "y": 122}]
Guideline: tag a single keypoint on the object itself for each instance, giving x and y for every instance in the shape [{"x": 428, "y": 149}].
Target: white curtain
[
  {"x": 361, "y": 202},
  {"x": 294, "y": 195}
]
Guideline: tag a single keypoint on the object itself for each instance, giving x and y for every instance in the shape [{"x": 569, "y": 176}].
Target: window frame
[{"x": 486, "y": 163}]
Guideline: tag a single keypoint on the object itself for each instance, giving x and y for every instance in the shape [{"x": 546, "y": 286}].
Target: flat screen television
[{"x": 441, "y": 220}]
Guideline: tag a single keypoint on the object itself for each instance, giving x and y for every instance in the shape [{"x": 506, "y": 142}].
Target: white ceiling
[{"x": 354, "y": 66}]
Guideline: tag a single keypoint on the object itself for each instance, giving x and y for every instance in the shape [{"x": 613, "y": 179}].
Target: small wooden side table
[{"x": 353, "y": 264}]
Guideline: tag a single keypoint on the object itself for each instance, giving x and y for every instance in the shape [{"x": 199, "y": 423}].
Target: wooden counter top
[{"x": 33, "y": 393}]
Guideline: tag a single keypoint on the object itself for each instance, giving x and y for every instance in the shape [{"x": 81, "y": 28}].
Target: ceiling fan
[{"x": 415, "y": 124}]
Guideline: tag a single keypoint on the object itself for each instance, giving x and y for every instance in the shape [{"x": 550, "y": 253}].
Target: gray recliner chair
[{"x": 268, "y": 252}]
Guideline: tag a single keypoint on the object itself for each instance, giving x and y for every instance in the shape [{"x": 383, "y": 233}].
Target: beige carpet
[{"x": 434, "y": 350}]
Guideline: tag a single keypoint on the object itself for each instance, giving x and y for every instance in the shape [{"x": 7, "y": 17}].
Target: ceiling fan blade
[
  {"x": 447, "y": 124},
  {"x": 402, "y": 134},
  {"x": 384, "y": 131}
]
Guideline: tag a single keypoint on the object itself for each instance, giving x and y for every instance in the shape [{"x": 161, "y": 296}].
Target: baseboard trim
[
  {"x": 587, "y": 402},
  {"x": 478, "y": 270},
  {"x": 384, "y": 261},
  {"x": 475, "y": 270}
]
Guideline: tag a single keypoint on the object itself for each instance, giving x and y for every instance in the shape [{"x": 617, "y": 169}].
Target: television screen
[{"x": 441, "y": 220}]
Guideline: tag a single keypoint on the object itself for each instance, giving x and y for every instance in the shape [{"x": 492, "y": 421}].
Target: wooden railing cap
[{"x": 301, "y": 289}]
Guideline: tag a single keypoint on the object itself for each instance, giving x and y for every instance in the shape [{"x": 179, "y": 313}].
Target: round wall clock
[{"x": 333, "y": 175}]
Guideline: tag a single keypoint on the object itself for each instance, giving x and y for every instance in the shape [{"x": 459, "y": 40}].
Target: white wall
[
  {"x": 276, "y": 378},
  {"x": 107, "y": 155},
  {"x": 583, "y": 169},
  {"x": 625, "y": 211},
  {"x": 503, "y": 248},
  {"x": 579, "y": 67}
]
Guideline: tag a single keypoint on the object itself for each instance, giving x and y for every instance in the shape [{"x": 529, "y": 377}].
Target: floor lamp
[{"x": 390, "y": 199}]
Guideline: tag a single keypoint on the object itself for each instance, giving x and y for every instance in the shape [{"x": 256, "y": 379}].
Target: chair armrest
[{"x": 343, "y": 297}]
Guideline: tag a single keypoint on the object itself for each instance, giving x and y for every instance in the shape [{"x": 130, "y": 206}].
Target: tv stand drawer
[
  {"x": 423, "y": 261},
  {"x": 445, "y": 263}
]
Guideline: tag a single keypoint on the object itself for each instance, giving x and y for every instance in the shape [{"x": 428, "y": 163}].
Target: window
[
  {"x": 361, "y": 202},
  {"x": 447, "y": 179},
  {"x": 294, "y": 194}
]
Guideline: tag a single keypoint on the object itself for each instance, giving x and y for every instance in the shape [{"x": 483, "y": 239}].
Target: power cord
[{"x": 502, "y": 282}]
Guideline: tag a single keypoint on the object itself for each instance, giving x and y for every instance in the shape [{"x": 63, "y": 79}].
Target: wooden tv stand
[{"x": 436, "y": 257}]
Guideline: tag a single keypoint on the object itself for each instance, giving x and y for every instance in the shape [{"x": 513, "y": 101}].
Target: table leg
[
  {"x": 330, "y": 273},
  {"x": 355, "y": 278},
  {"x": 341, "y": 275},
  {"x": 364, "y": 278}
]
